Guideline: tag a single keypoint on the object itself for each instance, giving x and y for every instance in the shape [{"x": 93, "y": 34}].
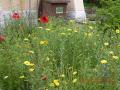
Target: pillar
[{"x": 76, "y": 10}]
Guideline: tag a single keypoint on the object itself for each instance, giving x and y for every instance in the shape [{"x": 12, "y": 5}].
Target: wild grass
[{"x": 59, "y": 55}]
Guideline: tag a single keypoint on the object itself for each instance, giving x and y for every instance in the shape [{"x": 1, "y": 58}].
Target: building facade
[{"x": 75, "y": 8}]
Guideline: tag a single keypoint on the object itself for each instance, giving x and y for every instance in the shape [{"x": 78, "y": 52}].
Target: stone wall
[
  {"x": 9, "y": 6},
  {"x": 75, "y": 8},
  {"x": 17, "y": 4}
]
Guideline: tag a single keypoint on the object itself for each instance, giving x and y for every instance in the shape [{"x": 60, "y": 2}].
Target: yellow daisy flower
[
  {"x": 74, "y": 80},
  {"x": 56, "y": 83},
  {"x": 26, "y": 39},
  {"x": 69, "y": 29},
  {"x": 31, "y": 52},
  {"x": 45, "y": 42},
  {"x": 21, "y": 77},
  {"x": 62, "y": 76},
  {"x": 111, "y": 52},
  {"x": 115, "y": 57},
  {"x": 63, "y": 33},
  {"x": 31, "y": 69},
  {"x": 40, "y": 27},
  {"x": 103, "y": 61},
  {"x": 72, "y": 21},
  {"x": 106, "y": 43},
  {"x": 74, "y": 73},
  {"x": 27, "y": 63},
  {"x": 89, "y": 34},
  {"x": 75, "y": 30},
  {"x": 47, "y": 29},
  {"x": 117, "y": 31},
  {"x": 47, "y": 59},
  {"x": 90, "y": 27}
]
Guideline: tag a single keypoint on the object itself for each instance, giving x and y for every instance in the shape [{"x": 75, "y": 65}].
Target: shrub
[{"x": 108, "y": 17}]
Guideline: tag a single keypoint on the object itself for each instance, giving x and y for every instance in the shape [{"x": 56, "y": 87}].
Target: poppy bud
[
  {"x": 43, "y": 77},
  {"x": 2, "y": 38}
]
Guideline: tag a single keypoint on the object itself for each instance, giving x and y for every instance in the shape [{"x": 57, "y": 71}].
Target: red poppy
[
  {"x": 2, "y": 38},
  {"x": 15, "y": 16},
  {"x": 44, "y": 19}
]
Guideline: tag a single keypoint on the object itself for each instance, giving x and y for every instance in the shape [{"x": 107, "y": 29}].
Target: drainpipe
[{"x": 40, "y": 8}]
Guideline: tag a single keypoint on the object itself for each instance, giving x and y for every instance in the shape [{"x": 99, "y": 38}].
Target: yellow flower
[
  {"x": 31, "y": 64},
  {"x": 75, "y": 30},
  {"x": 27, "y": 63},
  {"x": 31, "y": 69},
  {"x": 115, "y": 57},
  {"x": 90, "y": 27},
  {"x": 72, "y": 21},
  {"x": 47, "y": 29},
  {"x": 47, "y": 59},
  {"x": 62, "y": 33},
  {"x": 56, "y": 83},
  {"x": 22, "y": 77},
  {"x": 62, "y": 75},
  {"x": 31, "y": 52},
  {"x": 106, "y": 43},
  {"x": 111, "y": 52},
  {"x": 89, "y": 34},
  {"x": 103, "y": 61},
  {"x": 74, "y": 80},
  {"x": 45, "y": 42},
  {"x": 74, "y": 73},
  {"x": 26, "y": 39},
  {"x": 117, "y": 31},
  {"x": 40, "y": 27}
]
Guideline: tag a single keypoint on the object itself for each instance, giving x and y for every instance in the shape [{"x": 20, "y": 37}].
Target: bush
[{"x": 108, "y": 17}]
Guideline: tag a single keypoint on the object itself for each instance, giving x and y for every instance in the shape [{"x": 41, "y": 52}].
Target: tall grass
[{"x": 60, "y": 55}]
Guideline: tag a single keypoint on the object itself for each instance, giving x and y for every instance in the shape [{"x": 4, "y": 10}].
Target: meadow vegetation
[{"x": 60, "y": 54}]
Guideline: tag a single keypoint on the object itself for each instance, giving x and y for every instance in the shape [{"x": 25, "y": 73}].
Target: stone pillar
[
  {"x": 1, "y": 19},
  {"x": 76, "y": 10}
]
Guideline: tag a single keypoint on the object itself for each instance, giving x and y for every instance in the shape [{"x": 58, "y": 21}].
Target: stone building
[{"x": 75, "y": 8}]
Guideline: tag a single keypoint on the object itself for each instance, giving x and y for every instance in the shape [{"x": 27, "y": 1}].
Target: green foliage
[
  {"x": 60, "y": 50},
  {"x": 108, "y": 16}
]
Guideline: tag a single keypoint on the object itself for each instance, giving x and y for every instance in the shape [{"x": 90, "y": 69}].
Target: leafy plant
[{"x": 108, "y": 17}]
